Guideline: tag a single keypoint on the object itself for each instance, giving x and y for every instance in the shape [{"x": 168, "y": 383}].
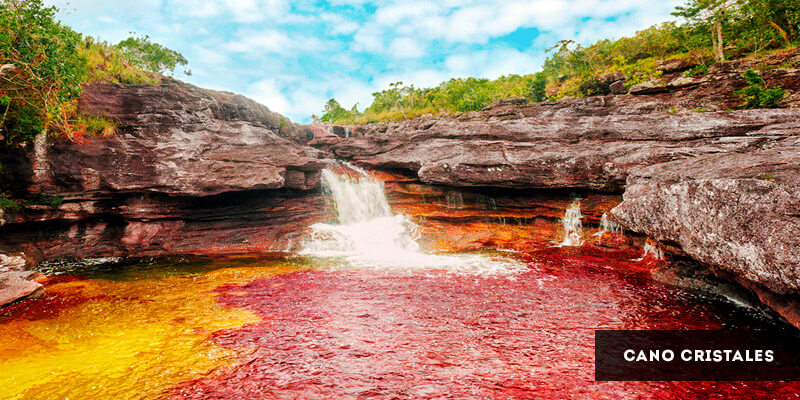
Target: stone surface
[
  {"x": 739, "y": 212},
  {"x": 651, "y": 86},
  {"x": 674, "y": 65},
  {"x": 189, "y": 170},
  {"x": 15, "y": 282},
  {"x": 558, "y": 150},
  {"x": 178, "y": 139}
]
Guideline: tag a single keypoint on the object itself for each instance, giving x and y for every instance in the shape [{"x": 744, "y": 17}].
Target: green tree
[
  {"x": 536, "y": 88},
  {"x": 333, "y": 112},
  {"x": 712, "y": 13},
  {"x": 140, "y": 52}
]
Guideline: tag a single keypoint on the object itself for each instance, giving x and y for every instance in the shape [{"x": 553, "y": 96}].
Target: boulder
[
  {"x": 737, "y": 211},
  {"x": 15, "y": 282},
  {"x": 674, "y": 65},
  {"x": 649, "y": 87}
]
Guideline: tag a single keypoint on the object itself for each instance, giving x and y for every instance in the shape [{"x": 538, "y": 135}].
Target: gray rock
[
  {"x": 649, "y": 87},
  {"x": 737, "y": 211}
]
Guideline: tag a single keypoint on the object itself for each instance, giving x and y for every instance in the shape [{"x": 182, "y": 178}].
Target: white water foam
[
  {"x": 573, "y": 228},
  {"x": 608, "y": 226},
  {"x": 368, "y": 235},
  {"x": 651, "y": 251}
]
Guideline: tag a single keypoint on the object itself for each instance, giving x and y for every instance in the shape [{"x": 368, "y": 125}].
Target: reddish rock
[
  {"x": 189, "y": 170},
  {"x": 557, "y": 151},
  {"x": 15, "y": 282}
]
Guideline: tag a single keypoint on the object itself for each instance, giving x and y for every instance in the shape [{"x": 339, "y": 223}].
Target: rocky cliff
[{"x": 189, "y": 170}]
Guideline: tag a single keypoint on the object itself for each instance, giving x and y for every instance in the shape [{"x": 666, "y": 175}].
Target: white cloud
[
  {"x": 266, "y": 41},
  {"x": 406, "y": 48},
  {"x": 269, "y": 93}
]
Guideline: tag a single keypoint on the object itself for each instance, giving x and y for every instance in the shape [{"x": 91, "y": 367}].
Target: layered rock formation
[
  {"x": 586, "y": 150},
  {"x": 189, "y": 170}
]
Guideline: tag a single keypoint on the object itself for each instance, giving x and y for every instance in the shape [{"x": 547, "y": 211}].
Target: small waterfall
[
  {"x": 651, "y": 250},
  {"x": 367, "y": 234},
  {"x": 608, "y": 226},
  {"x": 573, "y": 227},
  {"x": 455, "y": 200},
  {"x": 356, "y": 198}
]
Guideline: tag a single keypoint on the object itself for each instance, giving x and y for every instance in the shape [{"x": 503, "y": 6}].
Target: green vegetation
[
  {"x": 8, "y": 204},
  {"x": 43, "y": 65},
  {"x": 757, "y": 95},
  {"x": 707, "y": 31},
  {"x": 51, "y": 201},
  {"x": 456, "y": 95},
  {"x": 145, "y": 55}
]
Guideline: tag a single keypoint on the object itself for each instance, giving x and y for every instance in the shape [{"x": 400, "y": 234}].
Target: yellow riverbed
[{"x": 139, "y": 337}]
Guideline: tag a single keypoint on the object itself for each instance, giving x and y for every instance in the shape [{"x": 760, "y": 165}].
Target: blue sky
[{"x": 294, "y": 56}]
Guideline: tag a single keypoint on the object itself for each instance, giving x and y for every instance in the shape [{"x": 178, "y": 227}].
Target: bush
[
  {"x": 46, "y": 69},
  {"x": 108, "y": 65},
  {"x": 697, "y": 70},
  {"x": 47, "y": 200},
  {"x": 756, "y": 95},
  {"x": 8, "y": 204}
]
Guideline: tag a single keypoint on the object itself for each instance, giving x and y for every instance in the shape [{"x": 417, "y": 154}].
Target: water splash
[
  {"x": 651, "y": 250},
  {"x": 573, "y": 228},
  {"x": 608, "y": 226},
  {"x": 368, "y": 235}
]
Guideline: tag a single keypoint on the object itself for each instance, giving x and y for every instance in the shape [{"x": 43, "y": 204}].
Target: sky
[{"x": 292, "y": 56}]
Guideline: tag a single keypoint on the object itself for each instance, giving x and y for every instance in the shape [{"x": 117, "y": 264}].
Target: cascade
[
  {"x": 366, "y": 234},
  {"x": 572, "y": 225},
  {"x": 608, "y": 226},
  {"x": 651, "y": 250}
]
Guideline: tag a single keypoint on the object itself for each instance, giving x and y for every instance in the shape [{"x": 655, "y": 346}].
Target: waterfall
[
  {"x": 366, "y": 234},
  {"x": 572, "y": 225},
  {"x": 356, "y": 198},
  {"x": 608, "y": 226},
  {"x": 455, "y": 200},
  {"x": 651, "y": 250}
]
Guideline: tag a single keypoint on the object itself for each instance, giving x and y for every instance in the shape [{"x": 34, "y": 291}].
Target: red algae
[
  {"x": 382, "y": 334},
  {"x": 49, "y": 304}
]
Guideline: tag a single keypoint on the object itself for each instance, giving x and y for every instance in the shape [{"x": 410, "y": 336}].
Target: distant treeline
[{"x": 707, "y": 31}]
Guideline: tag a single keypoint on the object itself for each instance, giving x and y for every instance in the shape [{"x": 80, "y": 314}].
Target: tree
[
  {"x": 153, "y": 57},
  {"x": 334, "y": 112},
  {"x": 711, "y": 13},
  {"x": 536, "y": 88}
]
